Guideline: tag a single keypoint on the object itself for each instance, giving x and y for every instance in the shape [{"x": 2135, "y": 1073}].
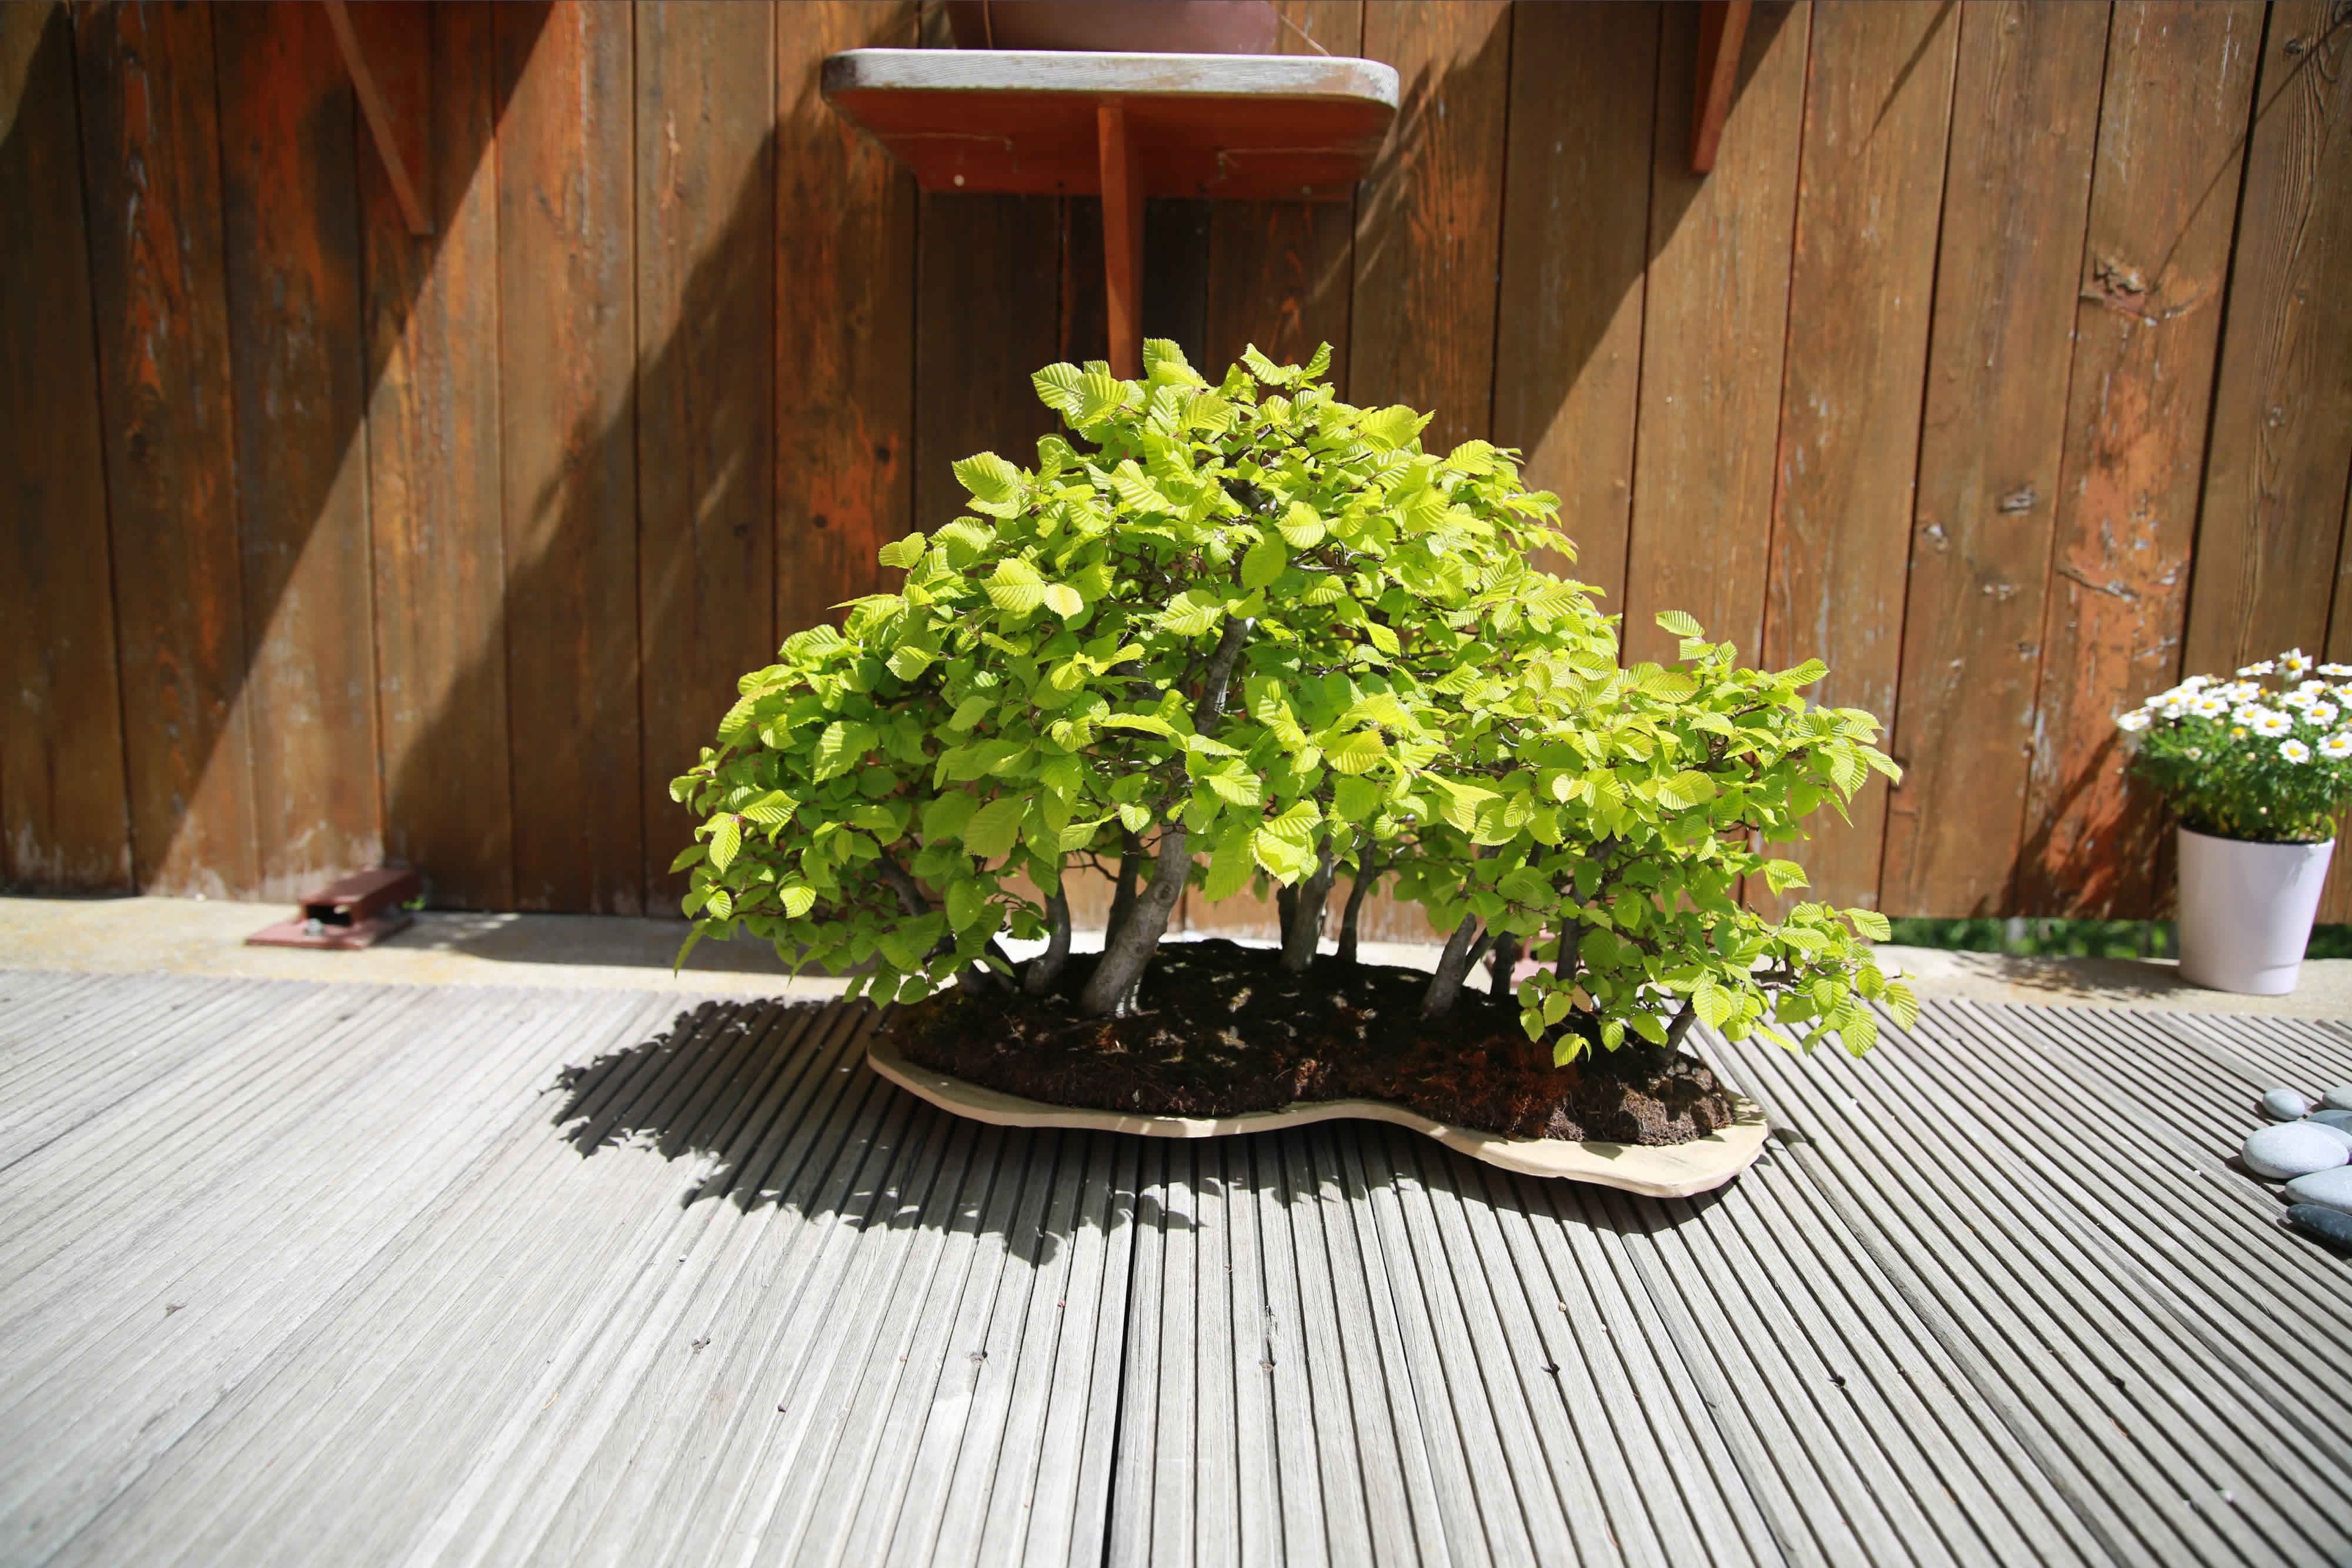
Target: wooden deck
[{"x": 360, "y": 1275}]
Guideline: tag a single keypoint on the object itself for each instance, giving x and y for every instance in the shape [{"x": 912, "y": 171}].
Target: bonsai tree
[{"x": 1245, "y": 635}]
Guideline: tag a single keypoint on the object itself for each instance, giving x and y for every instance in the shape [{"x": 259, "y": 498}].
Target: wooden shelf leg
[
  {"x": 1722, "y": 27},
  {"x": 1122, "y": 213}
]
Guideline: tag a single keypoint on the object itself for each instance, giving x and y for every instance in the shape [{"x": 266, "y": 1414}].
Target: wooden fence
[{"x": 2004, "y": 361}]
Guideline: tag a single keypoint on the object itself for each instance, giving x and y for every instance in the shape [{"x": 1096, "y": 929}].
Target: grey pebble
[
  {"x": 2332, "y": 1119},
  {"x": 2328, "y": 1189},
  {"x": 2339, "y": 1099},
  {"x": 2294, "y": 1148},
  {"x": 2285, "y": 1105},
  {"x": 2326, "y": 1224}
]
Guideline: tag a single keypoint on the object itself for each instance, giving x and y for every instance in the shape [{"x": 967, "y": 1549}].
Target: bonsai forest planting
[{"x": 1240, "y": 635}]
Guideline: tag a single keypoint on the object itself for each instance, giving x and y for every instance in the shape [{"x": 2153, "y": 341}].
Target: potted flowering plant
[{"x": 2255, "y": 768}]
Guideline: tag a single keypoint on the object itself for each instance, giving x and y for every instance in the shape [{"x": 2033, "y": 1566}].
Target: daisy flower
[
  {"x": 2264, "y": 668},
  {"x": 2320, "y": 714},
  {"x": 2199, "y": 682},
  {"x": 2133, "y": 722},
  {"x": 2211, "y": 705},
  {"x": 2269, "y": 725},
  {"x": 2338, "y": 671},
  {"x": 2293, "y": 663},
  {"x": 2335, "y": 748},
  {"x": 2295, "y": 751}
]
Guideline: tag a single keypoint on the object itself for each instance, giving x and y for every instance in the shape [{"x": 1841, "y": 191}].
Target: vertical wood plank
[
  {"x": 845, "y": 324},
  {"x": 1713, "y": 321},
  {"x": 2270, "y": 531},
  {"x": 567, "y": 455},
  {"x": 2164, "y": 195},
  {"x": 2335, "y": 898},
  {"x": 151, "y": 164},
  {"x": 2025, "y": 112},
  {"x": 435, "y": 507},
  {"x": 1429, "y": 224},
  {"x": 1576, "y": 222},
  {"x": 1280, "y": 274},
  {"x": 291, "y": 198},
  {"x": 64, "y": 818},
  {"x": 1862, "y": 278},
  {"x": 706, "y": 313},
  {"x": 987, "y": 315}
]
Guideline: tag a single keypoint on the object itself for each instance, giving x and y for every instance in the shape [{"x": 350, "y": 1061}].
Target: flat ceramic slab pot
[{"x": 1676, "y": 1171}]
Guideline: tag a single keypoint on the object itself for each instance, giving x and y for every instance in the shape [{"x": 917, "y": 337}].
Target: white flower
[
  {"x": 2293, "y": 663},
  {"x": 2311, "y": 688},
  {"x": 2296, "y": 699},
  {"x": 2335, "y": 748},
  {"x": 2240, "y": 692},
  {"x": 2295, "y": 751},
  {"x": 2267, "y": 723},
  {"x": 2199, "y": 682},
  {"x": 2133, "y": 722},
  {"x": 2264, "y": 668},
  {"x": 2211, "y": 705},
  {"x": 2338, "y": 671},
  {"x": 2320, "y": 714}
]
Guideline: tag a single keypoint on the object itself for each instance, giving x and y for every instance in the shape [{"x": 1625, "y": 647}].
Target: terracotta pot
[
  {"x": 1122, "y": 27},
  {"x": 2246, "y": 911}
]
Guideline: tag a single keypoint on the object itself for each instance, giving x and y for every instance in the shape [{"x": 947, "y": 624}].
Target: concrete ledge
[{"x": 1680, "y": 1171}]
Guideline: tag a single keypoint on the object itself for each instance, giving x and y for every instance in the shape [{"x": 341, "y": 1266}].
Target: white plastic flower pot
[{"x": 2246, "y": 911}]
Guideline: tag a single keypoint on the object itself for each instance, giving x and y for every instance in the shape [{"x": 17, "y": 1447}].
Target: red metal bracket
[{"x": 355, "y": 911}]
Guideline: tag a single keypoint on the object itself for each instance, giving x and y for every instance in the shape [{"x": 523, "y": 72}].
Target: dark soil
[{"x": 1221, "y": 1029}]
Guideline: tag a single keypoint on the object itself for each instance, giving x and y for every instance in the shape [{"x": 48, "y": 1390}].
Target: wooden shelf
[{"x": 1254, "y": 127}]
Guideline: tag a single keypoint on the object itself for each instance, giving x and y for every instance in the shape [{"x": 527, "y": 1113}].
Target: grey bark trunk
[
  {"x": 1453, "y": 967},
  {"x": 1506, "y": 960},
  {"x": 1131, "y": 877},
  {"x": 1110, "y": 989},
  {"x": 1304, "y": 927},
  {"x": 1681, "y": 1025},
  {"x": 1046, "y": 966},
  {"x": 1368, "y": 876},
  {"x": 1128, "y": 946}
]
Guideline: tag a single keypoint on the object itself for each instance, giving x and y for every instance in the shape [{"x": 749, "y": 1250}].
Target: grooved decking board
[{"x": 337, "y": 1274}]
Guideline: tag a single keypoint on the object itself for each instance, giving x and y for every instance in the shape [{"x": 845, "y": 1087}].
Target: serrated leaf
[
  {"x": 966, "y": 900},
  {"x": 907, "y": 662},
  {"x": 1134, "y": 818},
  {"x": 1165, "y": 364},
  {"x": 1782, "y": 875},
  {"x": 1063, "y": 600},
  {"x": 1296, "y": 823},
  {"x": 1681, "y": 623},
  {"x": 993, "y": 482},
  {"x": 1355, "y": 800},
  {"x": 796, "y": 897},
  {"x": 905, "y": 554},
  {"x": 1355, "y": 753},
  {"x": 1804, "y": 675},
  {"x": 1239, "y": 788},
  {"x": 1871, "y": 924},
  {"x": 1057, "y": 389},
  {"x": 1015, "y": 587},
  {"x": 1195, "y": 614},
  {"x": 1232, "y": 866},
  {"x": 944, "y": 816},
  {"x": 841, "y": 747},
  {"x": 971, "y": 711},
  {"x": 1100, "y": 393},
  {"x": 1300, "y": 528},
  {"x": 1150, "y": 723},
  {"x": 1387, "y": 429},
  {"x": 1898, "y": 1000},
  {"x": 995, "y": 828},
  {"x": 690, "y": 855},
  {"x": 1280, "y": 856},
  {"x": 1264, "y": 563}
]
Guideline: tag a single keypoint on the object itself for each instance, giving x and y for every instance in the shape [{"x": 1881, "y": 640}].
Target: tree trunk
[
  {"x": 1110, "y": 989},
  {"x": 1368, "y": 876},
  {"x": 1046, "y": 966},
  {"x": 1681, "y": 1025},
  {"x": 1128, "y": 947},
  {"x": 1131, "y": 877},
  {"x": 1506, "y": 959},
  {"x": 1304, "y": 927},
  {"x": 1453, "y": 967}
]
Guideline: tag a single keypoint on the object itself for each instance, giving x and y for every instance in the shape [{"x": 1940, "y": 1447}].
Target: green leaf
[
  {"x": 1390, "y": 428},
  {"x": 995, "y": 828},
  {"x": 1804, "y": 675},
  {"x": 1100, "y": 393},
  {"x": 1193, "y": 615},
  {"x": 1356, "y": 752},
  {"x": 797, "y": 898},
  {"x": 1233, "y": 865},
  {"x": 944, "y": 817},
  {"x": 1015, "y": 587},
  {"x": 726, "y": 838},
  {"x": 906, "y": 554},
  {"x": 994, "y": 484},
  {"x": 841, "y": 747},
  {"x": 966, "y": 900},
  {"x": 1782, "y": 875},
  {"x": 971, "y": 711},
  {"x": 1150, "y": 723},
  {"x": 1355, "y": 800},
  {"x": 1382, "y": 638},
  {"x": 690, "y": 855},
  {"x": 1264, "y": 563},
  {"x": 1897, "y": 999},
  {"x": 1871, "y": 924},
  {"x": 907, "y": 662},
  {"x": 1301, "y": 529},
  {"x": 1063, "y": 600},
  {"x": 1238, "y": 788},
  {"x": 1681, "y": 623},
  {"x": 1057, "y": 389}
]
